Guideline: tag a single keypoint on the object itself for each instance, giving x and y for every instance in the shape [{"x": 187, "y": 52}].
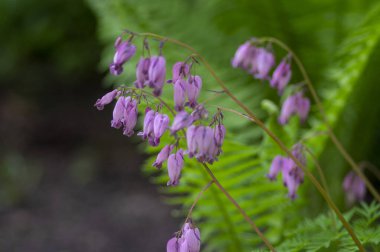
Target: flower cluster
[
  {"x": 203, "y": 142},
  {"x": 354, "y": 187},
  {"x": 292, "y": 174},
  {"x": 259, "y": 62},
  {"x": 186, "y": 240}
]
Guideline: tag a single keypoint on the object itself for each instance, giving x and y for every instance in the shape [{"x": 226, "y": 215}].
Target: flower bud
[
  {"x": 130, "y": 117},
  {"x": 277, "y": 166},
  {"x": 175, "y": 165},
  {"x": 281, "y": 76},
  {"x": 181, "y": 120},
  {"x": 106, "y": 99},
  {"x": 294, "y": 104},
  {"x": 163, "y": 156},
  {"x": 262, "y": 63},
  {"x": 354, "y": 187},
  {"x": 142, "y": 69},
  {"x": 157, "y": 73},
  {"x": 243, "y": 56},
  {"x": 180, "y": 70},
  {"x": 179, "y": 94},
  {"x": 118, "y": 113},
  {"x": 148, "y": 124},
  {"x": 160, "y": 125},
  {"x": 174, "y": 244},
  {"x": 193, "y": 88},
  {"x": 219, "y": 133},
  {"x": 124, "y": 51}
]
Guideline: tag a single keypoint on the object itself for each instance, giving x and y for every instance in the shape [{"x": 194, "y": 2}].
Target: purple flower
[
  {"x": 219, "y": 133},
  {"x": 188, "y": 240},
  {"x": 190, "y": 138},
  {"x": 124, "y": 51},
  {"x": 243, "y": 56},
  {"x": 174, "y": 244},
  {"x": 354, "y": 187},
  {"x": 281, "y": 76},
  {"x": 277, "y": 166},
  {"x": 193, "y": 88},
  {"x": 181, "y": 121},
  {"x": 303, "y": 108},
  {"x": 262, "y": 63},
  {"x": 295, "y": 104},
  {"x": 130, "y": 116},
  {"x": 148, "y": 124},
  {"x": 118, "y": 113},
  {"x": 163, "y": 155},
  {"x": 160, "y": 125},
  {"x": 179, "y": 94},
  {"x": 201, "y": 143},
  {"x": 292, "y": 174},
  {"x": 180, "y": 70},
  {"x": 175, "y": 165},
  {"x": 157, "y": 73},
  {"x": 142, "y": 70},
  {"x": 192, "y": 239},
  {"x": 106, "y": 99}
]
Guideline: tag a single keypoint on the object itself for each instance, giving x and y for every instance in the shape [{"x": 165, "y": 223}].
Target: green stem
[
  {"x": 230, "y": 227},
  {"x": 233, "y": 201},
  {"x": 196, "y": 201},
  {"x": 330, "y": 132},
  {"x": 267, "y": 131}
]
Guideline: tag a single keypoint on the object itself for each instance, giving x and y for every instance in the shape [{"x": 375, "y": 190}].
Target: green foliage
[
  {"x": 215, "y": 28},
  {"x": 325, "y": 232}
]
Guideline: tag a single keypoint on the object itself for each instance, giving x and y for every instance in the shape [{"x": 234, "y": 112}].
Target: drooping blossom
[
  {"x": 354, "y": 188},
  {"x": 193, "y": 88},
  {"x": 174, "y": 244},
  {"x": 148, "y": 124},
  {"x": 243, "y": 56},
  {"x": 106, "y": 99},
  {"x": 157, "y": 74},
  {"x": 281, "y": 76},
  {"x": 180, "y": 70},
  {"x": 142, "y": 70},
  {"x": 262, "y": 63},
  {"x": 179, "y": 92},
  {"x": 277, "y": 166},
  {"x": 181, "y": 120},
  {"x": 187, "y": 240},
  {"x": 219, "y": 133},
  {"x": 160, "y": 124},
  {"x": 163, "y": 156},
  {"x": 118, "y": 113},
  {"x": 175, "y": 165},
  {"x": 293, "y": 175},
  {"x": 294, "y": 104},
  {"x": 202, "y": 144},
  {"x": 192, "y": 238},
  {"x": 124, "y": 51},
  {"x": 130, "y": 116}
]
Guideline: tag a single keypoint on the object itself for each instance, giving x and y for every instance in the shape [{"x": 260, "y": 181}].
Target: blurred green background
[{"x": 68, "y": 182}]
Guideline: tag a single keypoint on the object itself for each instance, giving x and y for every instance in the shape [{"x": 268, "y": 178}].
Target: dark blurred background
[{"x": 68, "y": 182}]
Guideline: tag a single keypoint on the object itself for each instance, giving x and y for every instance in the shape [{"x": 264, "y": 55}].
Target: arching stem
[
  {"x": 196, "y": 201},
  {"x": 242, "y": 212}
]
